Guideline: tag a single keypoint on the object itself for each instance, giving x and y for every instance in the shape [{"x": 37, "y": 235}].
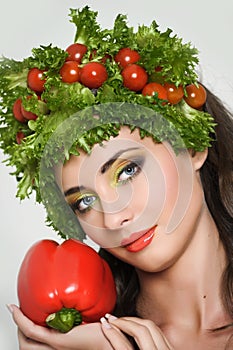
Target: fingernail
[
  {"x": 110, "y": 317},
  {"x": 105, "y": 323},
  {"x": 10, "y": 308}
]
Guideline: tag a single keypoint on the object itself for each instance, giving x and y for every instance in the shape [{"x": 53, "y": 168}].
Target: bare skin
[
  {"x": 188, "y": 308},
  {"x": 179, "y": 273}
]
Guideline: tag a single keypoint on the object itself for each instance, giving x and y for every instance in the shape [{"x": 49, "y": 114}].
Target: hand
[
  {"x": 146, "y": 334},
  {"x": 33, "y": 337}
]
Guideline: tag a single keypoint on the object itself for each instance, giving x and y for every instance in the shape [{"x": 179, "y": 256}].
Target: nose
[
  {"x": 118, "y": 219},
  {"x": 116, "y": 205}
]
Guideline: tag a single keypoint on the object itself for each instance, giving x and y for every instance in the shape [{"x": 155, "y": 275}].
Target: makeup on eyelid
[
  {"x": 76, "y": 199},
  {"x": 123, "y": 165}
]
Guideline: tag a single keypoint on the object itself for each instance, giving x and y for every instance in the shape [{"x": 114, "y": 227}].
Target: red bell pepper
[{"x": 64, "y": 285}]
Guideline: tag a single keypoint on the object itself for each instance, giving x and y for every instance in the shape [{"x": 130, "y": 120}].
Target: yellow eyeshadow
[
  {"x": 72, "y": 198},
  {"x": 116, "y": 170},
  {"x": 75, "y": 197}
]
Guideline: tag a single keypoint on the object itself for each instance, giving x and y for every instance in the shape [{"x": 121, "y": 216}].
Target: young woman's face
[{"x": 135, "y": 198}]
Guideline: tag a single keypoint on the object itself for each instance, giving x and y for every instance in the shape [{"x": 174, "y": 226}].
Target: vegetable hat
[{"x": 56, "y": 100}]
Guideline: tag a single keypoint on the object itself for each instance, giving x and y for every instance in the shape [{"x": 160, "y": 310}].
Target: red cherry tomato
[
  {"x": 196, "y": 95},
  {"x": 19, "y": 136},
  {"x": 26, "y": 114},
  {"x": 152, "y": 88},
  {"x": 174, "y": 94},
  {"x": 17, "y": 112},
  {"x": 35, "y": 80},
  {"x": 76, "y": 52},
  {"x": 70, "y": 72},
  {"x": 126, "y": 56},
  {"x": 93, "y": 75},
  {"x": 134, "y": 77}
]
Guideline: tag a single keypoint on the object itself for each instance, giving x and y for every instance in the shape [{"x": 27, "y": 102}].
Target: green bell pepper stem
[{"x": 64, "y": 320}]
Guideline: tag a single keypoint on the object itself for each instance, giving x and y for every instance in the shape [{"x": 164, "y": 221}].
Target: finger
[
  {"x": 155, "y": 331},
  {"x": 115, "y": 337},
  {"x": 32, "y": 331},
  {"x": 29, "y": 344},
  {"x": 142, "y": 329},
  {"x": 139, "y": 332}
]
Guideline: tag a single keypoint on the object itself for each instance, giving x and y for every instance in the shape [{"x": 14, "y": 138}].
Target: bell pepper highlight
[{"x": 64, "y": 285}]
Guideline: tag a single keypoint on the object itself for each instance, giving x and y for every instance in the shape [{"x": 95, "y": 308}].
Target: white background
[{"x": 28, "y": 23}]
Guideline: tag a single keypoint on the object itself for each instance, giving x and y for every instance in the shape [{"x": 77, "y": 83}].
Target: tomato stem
[{"x": 64, "y": 320}]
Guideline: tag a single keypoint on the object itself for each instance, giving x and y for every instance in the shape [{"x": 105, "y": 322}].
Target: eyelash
[
  {"x": 76, "y": 205},
  {"x": 133, "y": 164}
]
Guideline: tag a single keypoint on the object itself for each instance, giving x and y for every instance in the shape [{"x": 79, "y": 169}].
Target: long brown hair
[{"x": 217, "y": 180}]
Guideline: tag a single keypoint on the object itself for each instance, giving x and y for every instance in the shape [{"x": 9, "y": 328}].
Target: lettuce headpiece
[{"x": 102, "y": 69}]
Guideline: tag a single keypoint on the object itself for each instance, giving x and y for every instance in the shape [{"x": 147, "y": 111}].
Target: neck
[{"x": 188, "y": 292}]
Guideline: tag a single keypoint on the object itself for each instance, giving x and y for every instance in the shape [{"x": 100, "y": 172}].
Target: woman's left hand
[{"x": 145, "y": 333}]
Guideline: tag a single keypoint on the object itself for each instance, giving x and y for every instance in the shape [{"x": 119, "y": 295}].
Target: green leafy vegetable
[{"x": 86, "y": 23}]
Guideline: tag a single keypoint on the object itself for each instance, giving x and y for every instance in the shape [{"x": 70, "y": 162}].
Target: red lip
[{"x": 143, "y": 240}]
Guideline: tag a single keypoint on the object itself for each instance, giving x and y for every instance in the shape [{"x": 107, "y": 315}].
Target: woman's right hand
[{"x": 34, "y": 337}]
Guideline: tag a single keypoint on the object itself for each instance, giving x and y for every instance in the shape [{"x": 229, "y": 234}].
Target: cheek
[
  {"x": 162, "y": 188},
  {"x": 147, "y": 197},
  {"x": 139, "y": 196},
  {"x": 179, "y": 189},
  {"x": 171, "y": 186}
]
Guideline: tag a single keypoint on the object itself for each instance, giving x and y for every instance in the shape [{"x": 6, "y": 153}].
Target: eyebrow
[
  {"x": 73, "y": 190},
  {"x": 103, "y": 169},
  {"x": 112, "y": 160}
]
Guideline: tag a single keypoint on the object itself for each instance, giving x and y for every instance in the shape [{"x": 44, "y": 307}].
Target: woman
[
  {"x": 163, "y": 216},
  {"x": 185, "y": 275}
]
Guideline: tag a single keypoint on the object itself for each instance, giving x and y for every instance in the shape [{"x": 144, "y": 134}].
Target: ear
[{"x": 198, "y": 158}]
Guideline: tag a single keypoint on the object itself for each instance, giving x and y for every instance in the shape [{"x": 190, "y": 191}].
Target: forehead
[{"x": 88, "y": 164}]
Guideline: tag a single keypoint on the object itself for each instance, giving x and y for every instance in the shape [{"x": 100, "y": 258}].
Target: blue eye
[
  {"x": 128, "y": 172},
  {"x": 85, "y": 203}
]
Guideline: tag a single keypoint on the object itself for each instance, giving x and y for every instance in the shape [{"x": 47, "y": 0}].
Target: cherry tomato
[
  {"x": 196, "y": 95},
  {"x": 17, "y": 111},
  {"x": 70, "y": 72},
  {"x": 174, "y": 94},
  {"x": 76, "y": 52},
  {"x": 152, "y": 88},
  {"x": 93, "y": 75},
  {"x": 126, "y": 56},
  {"x": 35, "y": 80},
  {"x": 19, "y": 136},
  {"x": 134, "y": 77},
  {"x": 26, "y": 114}
]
